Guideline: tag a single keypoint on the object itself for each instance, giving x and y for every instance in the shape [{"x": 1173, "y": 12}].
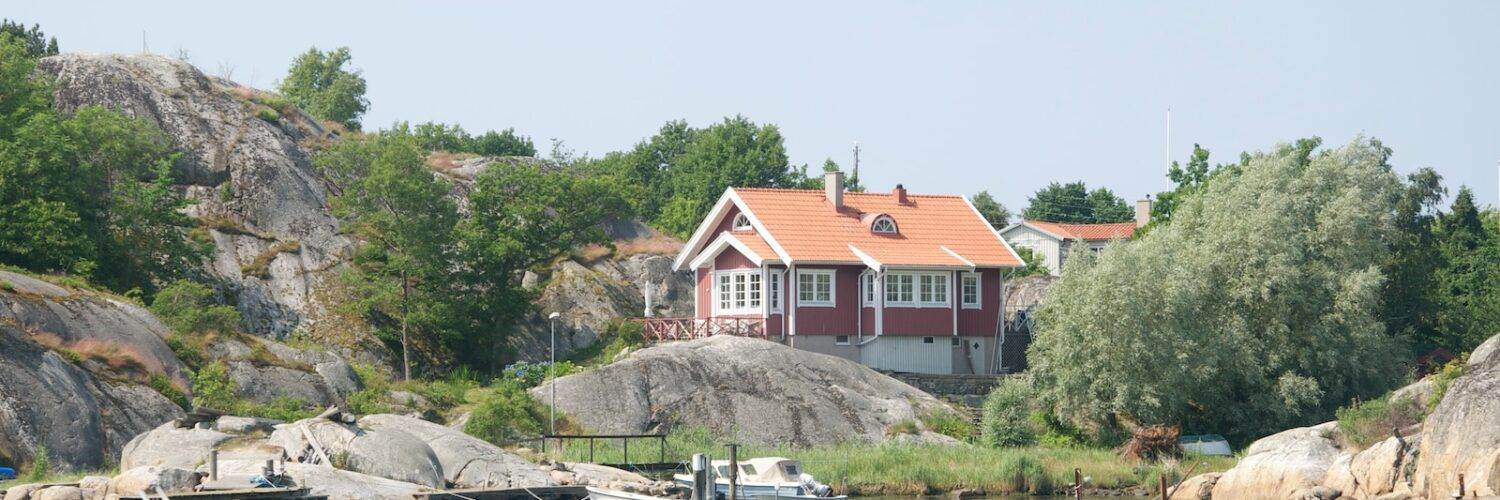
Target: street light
[{"x": 552, "y": 372}]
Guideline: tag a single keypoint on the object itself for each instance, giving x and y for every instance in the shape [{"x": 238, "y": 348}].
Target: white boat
[
  {"x": 769, "y": 477},
  {"x": 1206, "y": 444},
  {"x": 605, "y": 494}
]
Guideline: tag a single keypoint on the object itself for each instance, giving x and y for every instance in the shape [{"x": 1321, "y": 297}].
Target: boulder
[
  {"x": 170, "y": 446},
  {"x": 596, "y": 294},
  {"x": 48, "y": 401},
  {"x": 394, "y": 454},
  {"x": 1386, "y": 467},
  {"x": 21, "y": 491},
  {"x": 96, "y": 483},
  {"x": 336, "y": 484},
  {"x": 1462, "y": 434},
  {"x": 62, "y": 493},
  {"x": 754, "y": 391},
  {"x": 1419, "y": 393},
  {"x": 1286, "y": 464},
  {"x": 467, "y": 461},
  {"x": 265, "y": 384},
  {"x": 139, "y": 481},
  {"x": 1488, "y": 351},
  {"x": 230, "y": 424},
  {"x": 1199, "y": 487},
  {"x": 332, "y": 437}
]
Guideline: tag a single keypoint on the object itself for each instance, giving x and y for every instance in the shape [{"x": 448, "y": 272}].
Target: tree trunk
[{"x": 405, "y": 348}]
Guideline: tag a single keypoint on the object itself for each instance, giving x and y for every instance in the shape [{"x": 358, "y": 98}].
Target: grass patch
[
  {"x": 948, "y": 423},
  {"x": 267, "y": 114},
  {"x": 164, "y": 387},
  {"x": 260, "y": 267},
  {"x": 1368, "y": 422},
  {"x": 1443, "y": 378},
  {"x": 904, "y": 426},
  {"x": 619, "y": 336}
]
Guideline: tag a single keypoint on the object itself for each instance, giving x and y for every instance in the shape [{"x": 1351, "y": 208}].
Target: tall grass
[{"x": 904, "y": 469}]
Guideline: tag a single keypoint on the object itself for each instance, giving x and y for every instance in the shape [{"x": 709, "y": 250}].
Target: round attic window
[{"x": 883, "y": 225}]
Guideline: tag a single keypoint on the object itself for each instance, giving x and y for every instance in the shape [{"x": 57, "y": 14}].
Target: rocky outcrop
[
  {"x": 1462, "y": 435},
  {"x": 464, "y": 459},
  {"x": 171, "y": 446},
  {"x": 1282, "y": 464},
  {"x": 336, "y": 484},
  {"x": 756, "y": 391},
  {"x": 72, "y": 363},
  {"x": 252, "y": 179}
]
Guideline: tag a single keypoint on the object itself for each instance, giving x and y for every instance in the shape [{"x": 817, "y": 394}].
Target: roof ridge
[{"x": 848, "y": 193}]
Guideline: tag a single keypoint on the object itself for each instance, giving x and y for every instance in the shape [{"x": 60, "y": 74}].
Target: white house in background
[{"x": 1053, "y": 240}]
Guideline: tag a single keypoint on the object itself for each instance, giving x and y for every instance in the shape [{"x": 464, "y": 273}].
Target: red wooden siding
[
  {"x": 731, "y": 258},
  {"x": 925, "y": 321},
  {"x": 843, "y": 318},
  {"x": 981, "y": 322},
  {"x": 703, "y": 292}
]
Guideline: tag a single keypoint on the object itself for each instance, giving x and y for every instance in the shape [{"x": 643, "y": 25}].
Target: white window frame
[
  {"x": 773, "y": 290},
  {"x": 877, "y": 228},
  {"x": 814, "y": 274},
  {"x": 963, "y": 279},
  {"x": 916, "y": 301},
  {"x": 741, "y": 222},
  {"x": 868, "y": 290},
  {"x": 727, "y": 301},
  {"x": 840, "y": 340}
]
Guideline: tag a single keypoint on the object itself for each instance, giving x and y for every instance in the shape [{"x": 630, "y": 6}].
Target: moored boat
[
  {"x": 608, "y": 494},
  {"x": 769, "y": 477}
]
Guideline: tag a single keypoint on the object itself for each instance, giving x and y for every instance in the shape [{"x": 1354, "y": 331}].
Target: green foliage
[
  {"x": 996, "y": 214},
  {"x": 904, "y": 426},
  {"x": 948, "y": 423},
  {"x": 674, "y": 177},
  {"x": 1443, "y": 378},
  {"x": 619, "y": 336},
  {"x": 1467, "y": 292},
  {"x": 506, "y": 414},
  {"x": 164, "y": 387},
  {"x": 1073, "y": 202},
  {"x": 1021, "y": 473},
  {"x": 189, "y": 308},
  {"x": 1186, "y": 180},
  {"x": 1253, "y": 311},
  {"x": 1365, "y": 423},
  {"x": 433, "y": 136},
  {"x": 319, "y": 84},
  {"x": 283, "y": 408},
  {"x": 1034, "y": 264},
  {"x": 1411, "y": 303},
  {"x": 36, "y": 43},
  {"x": 267, "y": 114},
  {"x": 528, "y": 375},
  {"x": 1005, "y": 420},
  {"x": 89, "y": 194},
  {"x": 212, "y": 387},
  {"x": 41, "y": 464}
]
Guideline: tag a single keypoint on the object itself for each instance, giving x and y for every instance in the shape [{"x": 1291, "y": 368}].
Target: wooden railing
[{"x": 658, "y": 329}]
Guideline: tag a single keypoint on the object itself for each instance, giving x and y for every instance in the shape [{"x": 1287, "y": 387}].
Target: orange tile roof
[
  {"x": 808, "y": 228},
  {"x": 1122, "y": 230},
  {"x": 755, "y": 243}
]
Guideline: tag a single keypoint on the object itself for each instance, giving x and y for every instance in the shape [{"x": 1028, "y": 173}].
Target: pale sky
[{"x": 946, "y": 97}]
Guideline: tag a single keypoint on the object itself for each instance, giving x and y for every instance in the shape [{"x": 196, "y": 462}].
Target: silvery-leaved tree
[{"x": 1255, "y": 308}]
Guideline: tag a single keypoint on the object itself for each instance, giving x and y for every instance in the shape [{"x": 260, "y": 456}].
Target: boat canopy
[{"x": 763, "y": 470}]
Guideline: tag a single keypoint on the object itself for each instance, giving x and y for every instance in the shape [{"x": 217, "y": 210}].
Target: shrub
[
  {"x": 529, "y": 375},
  {"x": 506, "y": 414},
  {"x": 212, "y": 387},
  {"x": 1005, "y": 419},
  {"x": 1365, "y": 423},
  {"x": 189, "y": 308},
  {"x": 41, "y": 462},
  {"x": 267, "y": 114},
  {"x": 191, "y": 353},
  {"x": 163, "y": 386},
  {"x": 286, "y": 409},
  {"x": 949, "y": 423},
  {"x": 1442, "y": 378}
]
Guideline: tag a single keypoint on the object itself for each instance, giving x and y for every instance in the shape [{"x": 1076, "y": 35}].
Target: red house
[{"x": 897, "y": 281}]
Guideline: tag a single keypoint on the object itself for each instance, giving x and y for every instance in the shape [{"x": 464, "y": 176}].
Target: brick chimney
[
  {"x": 833, "y": 188},
  {"x": 900, "y": 194},
  {"x": 1143, "y": 211}
]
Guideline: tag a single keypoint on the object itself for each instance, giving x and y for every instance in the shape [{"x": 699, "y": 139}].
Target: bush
[
  {"x": 189, "y": 308},
  {"x": 1442, "y": 378},
  {"x": 529, "y": 375},
  {"x": 948, "y": 423},
  {"x": 1025, "y": 474},
  {"x": 506, "y": 415},
  {"x": 1005, "y": 421},
  {"x": 907, "y": 426},
  {"x": 163, "y": 386},
  {"x": 286, "y": 409},
  {"x": 267, "y": 114},
  {"x": 212, "y": 387}
]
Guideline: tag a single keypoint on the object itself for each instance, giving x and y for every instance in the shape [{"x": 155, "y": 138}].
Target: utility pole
[
  {"x": 552, "y": 373},
  {"x": 855, "y": 177},
  {"x": 1169, "y": 136}
]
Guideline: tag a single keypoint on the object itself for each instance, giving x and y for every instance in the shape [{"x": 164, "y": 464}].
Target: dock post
[
  {"x": 662, "y": 446},
  {"x": 1461, "y": 486},
  {"x": 1077, "y": 483},
  {"x": 627, "y": 449},
  {"x": 591, "y": 451},
  {"x": 213, "y": 465},
  {"x": 734, "y": 471},
  {"x": 1163, "y": 480},
  {"x": 703, "y": 481}
]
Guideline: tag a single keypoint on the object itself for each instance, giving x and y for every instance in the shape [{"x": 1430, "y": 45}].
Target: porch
[{"x": 659, "y": 329}]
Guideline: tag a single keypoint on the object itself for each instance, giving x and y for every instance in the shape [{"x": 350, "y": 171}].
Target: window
[
  {"x": 927, "y": 340},
  {"x": 883, "y": 225},
  {"x": 774, "y": 286},
  {"x": 749, "y": 469},
  {"x": 916, "y": 289},
  {"x": 954, "y": 342},
  {"x": 841, "y": 340},
  {"x": 815, "y": 288},
  {"x": 867, "y": 283},
  {"x": 739, "y": 292},
  {"x": 741, "y": 222},
  {"x": 970, "y": 290}
]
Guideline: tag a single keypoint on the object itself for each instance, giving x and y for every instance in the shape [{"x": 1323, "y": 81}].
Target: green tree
[
  {"x": 996, "y": 214},
  {"x": 404, "y": 216},
  {"x": 1255, "y": 309},
  {"x": 1033, "y": 264},
  {"x": 319, "y": 84},
  {"x": 1074, "y": 202},
  {"x": 1409, "y": 307},
  {"x": 189, "y": 308},
  {"x": 36, "y": 43},
  {"x": 1468, "y": 278}
]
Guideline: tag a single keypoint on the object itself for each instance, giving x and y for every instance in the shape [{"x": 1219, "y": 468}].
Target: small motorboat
[
  {"x": 1206, "y": 444},
  {"x": 765, "y": 478}
]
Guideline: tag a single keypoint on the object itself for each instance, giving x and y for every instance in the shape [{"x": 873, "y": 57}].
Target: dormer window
[
  {"x": 741, "y": 223},
  {"x": 883, "y": 225}
]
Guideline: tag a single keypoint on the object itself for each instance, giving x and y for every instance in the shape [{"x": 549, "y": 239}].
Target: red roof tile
[{"x": 1070, "y": 231}]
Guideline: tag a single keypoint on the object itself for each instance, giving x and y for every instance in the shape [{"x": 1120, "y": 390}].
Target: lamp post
[{"x": 552, "y": 373}]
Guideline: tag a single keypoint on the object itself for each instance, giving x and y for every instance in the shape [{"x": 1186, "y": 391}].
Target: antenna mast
[
  {"x": 856, "y": 162},
  {"x": 1169, "y": 136}
]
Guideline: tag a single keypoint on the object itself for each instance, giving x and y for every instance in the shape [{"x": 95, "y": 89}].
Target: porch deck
[{"x": 659, "y": 329}]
